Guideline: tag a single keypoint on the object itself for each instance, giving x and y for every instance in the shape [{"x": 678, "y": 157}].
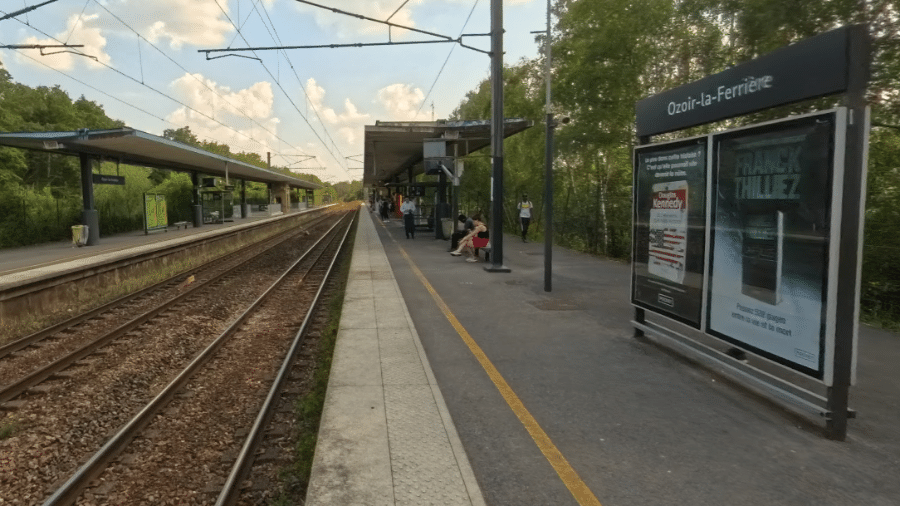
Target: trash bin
[
  {"x": 447, "y": 227},
  {"x": 79, "y": 235}
]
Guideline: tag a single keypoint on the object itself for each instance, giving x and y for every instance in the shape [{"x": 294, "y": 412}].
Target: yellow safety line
[{"x": 570, "y": 478}]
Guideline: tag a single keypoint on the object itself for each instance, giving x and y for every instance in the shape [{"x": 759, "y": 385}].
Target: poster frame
[
  {"x": 825, "y": 372},
  {"x": 673, "y": 144}
]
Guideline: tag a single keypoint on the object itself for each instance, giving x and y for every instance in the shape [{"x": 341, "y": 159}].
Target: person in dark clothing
[
  {"x": 383, "y": 210},
  {"x": 468, "y": 225}
]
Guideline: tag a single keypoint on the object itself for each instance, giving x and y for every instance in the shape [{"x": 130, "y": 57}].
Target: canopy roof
[
  {"x": 393, "y": 147},
  {"x": 134, "y": 147}
]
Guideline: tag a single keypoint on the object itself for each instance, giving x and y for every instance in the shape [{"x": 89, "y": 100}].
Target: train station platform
[
  {"x": 31, "y": 261},
  {"x": 555, "y": 402}
]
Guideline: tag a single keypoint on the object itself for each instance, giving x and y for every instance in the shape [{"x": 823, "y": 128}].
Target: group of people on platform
[{"x": 474, "y": 233}]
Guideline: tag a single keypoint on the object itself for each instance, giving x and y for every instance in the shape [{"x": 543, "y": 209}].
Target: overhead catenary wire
[
  {"x": 275, "y": 37},
  {"x": 438, "y": 76},
  {"x": 145, "y": 85},
  {"x": 98, "y": 90},
  {"x": 142, "y": 83},
  {"x": 287, "y": 95},
  {"x": 193, "y": 76}
]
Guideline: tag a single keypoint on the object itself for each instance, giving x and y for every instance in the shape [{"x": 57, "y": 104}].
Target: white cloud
[
  {"x": 84, "y": 31},
  {"x": 349, "y": 122},
  {"x": 226, "y": 116},
  {"x": 177, "y": 21},
  {"x": 402, "y": 102}
]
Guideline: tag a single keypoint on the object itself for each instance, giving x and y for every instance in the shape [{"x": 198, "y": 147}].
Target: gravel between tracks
[{"x": 68, "y": 419}]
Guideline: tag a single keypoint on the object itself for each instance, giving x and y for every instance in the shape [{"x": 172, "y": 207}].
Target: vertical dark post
[
  {"x": 198, "y": 208},
  {"x": 851, "y": 232},
  {"x": 243, "y": 198},
  {"x": 639, "y": 316},
  {"x": 497, "y": 124},
  {"x": 440, "y": 206},
  {"x": 548, "y": 170},
  {"x": 548, "y": 204},
  {"x": 89, "y": 215}
]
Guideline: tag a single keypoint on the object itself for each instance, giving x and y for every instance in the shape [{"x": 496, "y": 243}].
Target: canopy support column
[{"x": 89, "y": 215}]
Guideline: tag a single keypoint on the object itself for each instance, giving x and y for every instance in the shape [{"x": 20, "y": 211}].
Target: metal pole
[
  {"x": 89, "y": 214},
  {"x": 548, "y": 171},
  {"x": 497, "y": 123},
  {"x": 639, "y": 314},
  {"x": 846, "y": 327}
]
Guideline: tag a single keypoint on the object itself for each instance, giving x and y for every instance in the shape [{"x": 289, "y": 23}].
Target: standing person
[
  {"x": 525, "y": 207},
  {"x": 383, "y": 209},
  {"x": 408, "y": 208}
]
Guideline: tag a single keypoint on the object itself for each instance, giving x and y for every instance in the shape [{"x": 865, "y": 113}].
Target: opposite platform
[{"x": 386, "y": 436}]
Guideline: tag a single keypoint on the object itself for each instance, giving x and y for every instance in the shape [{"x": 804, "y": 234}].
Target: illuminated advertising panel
[
  {"x": 669, "y": 228},
  {"x": 772, "y": 239}
]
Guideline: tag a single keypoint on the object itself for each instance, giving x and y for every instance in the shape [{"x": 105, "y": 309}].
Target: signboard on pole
[
  {"x": 774, "y": 237},
  {"x": 669, "y": 228}
]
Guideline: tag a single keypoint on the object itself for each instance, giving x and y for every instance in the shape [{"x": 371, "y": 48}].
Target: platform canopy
[
  {"x": 392, "y": 148},
  {"x": 134, "y": 147}
]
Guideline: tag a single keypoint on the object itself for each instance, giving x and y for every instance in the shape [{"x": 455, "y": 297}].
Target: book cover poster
[
  {"x": 771, "y": 227},
  {"x": 669, "y": 230},
  {"x": 669, "y": 237}
]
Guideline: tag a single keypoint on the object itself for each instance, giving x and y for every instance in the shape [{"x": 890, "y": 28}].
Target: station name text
[{"x": 722, "y": 94}]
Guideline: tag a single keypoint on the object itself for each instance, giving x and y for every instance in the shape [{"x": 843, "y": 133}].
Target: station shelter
[
  {"x": 422, "y": 160},
  {"x": 134, "y": 147}
]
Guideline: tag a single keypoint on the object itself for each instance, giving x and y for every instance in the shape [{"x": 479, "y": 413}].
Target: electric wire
[
  {"x": 277, "y": 38},
  {"x": 153, "y": 89},
  {"x": 430, "y": 89},
  {"x": 306, "y": 119},
  {"x": 193, "y": 76},
  {"x": 253, "y": 140}
]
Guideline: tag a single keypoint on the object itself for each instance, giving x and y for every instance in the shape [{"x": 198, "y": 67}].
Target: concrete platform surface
[
  {"x": 557, "y": 404},
  {"x": 385, "y": 437}
]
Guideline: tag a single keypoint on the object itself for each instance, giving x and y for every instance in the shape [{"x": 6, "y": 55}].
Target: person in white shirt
[
  {"x": 408, "y": 208},
  {"x": 525, "y": 207}
]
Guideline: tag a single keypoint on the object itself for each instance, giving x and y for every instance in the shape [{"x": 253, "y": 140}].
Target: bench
[
  {"x": 179, "y": 224},
  {"x": 482, "y": 243}
]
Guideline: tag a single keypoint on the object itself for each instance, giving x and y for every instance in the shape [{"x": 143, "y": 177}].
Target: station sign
[
  {"x": 104, "y": 179},
  {"x": 811, "y": 68}
]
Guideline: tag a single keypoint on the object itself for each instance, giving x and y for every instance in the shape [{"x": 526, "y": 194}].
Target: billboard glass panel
[
  {"x": 770, "y": 239},
  {"x": 669, "y": 228}
]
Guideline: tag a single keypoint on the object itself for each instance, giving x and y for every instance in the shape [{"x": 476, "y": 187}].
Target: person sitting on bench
[{"x": 467, "y": 243}]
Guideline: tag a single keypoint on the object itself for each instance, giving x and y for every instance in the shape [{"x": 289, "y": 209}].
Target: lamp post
[{"x": 497, "y": 124}]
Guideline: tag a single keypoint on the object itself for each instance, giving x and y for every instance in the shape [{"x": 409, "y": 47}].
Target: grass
[
  {"x": 9, "y": 426},
  {"x": 308, "y": 409}
]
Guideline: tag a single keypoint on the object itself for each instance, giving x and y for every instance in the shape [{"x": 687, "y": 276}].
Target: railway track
[{"x": 179, "y": 386}]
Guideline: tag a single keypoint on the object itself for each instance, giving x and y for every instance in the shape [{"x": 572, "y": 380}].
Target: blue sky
[{"x": 296, "y": 104}]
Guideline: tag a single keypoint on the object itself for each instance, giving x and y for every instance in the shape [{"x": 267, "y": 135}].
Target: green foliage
[
  {"x": 607, "y": 55},
  {"x": 179, "y": 192},
  {"x": 121, "y": 208}
]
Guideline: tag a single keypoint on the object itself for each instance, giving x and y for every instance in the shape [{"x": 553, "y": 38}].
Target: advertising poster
[
  {"x": 669, "y": 224},
  {"x": 771, "y": 227}
]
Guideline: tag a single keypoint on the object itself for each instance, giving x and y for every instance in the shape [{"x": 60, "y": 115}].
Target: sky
[{"x": 307, "y": 107}]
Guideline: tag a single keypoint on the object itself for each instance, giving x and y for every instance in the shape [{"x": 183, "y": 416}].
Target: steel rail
[
  {"x": 244, "y": 463},
  {"x": 69, "y": 492},
  {"x": 42, "y": 334},
  {"x": 17, "y": 388}
]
